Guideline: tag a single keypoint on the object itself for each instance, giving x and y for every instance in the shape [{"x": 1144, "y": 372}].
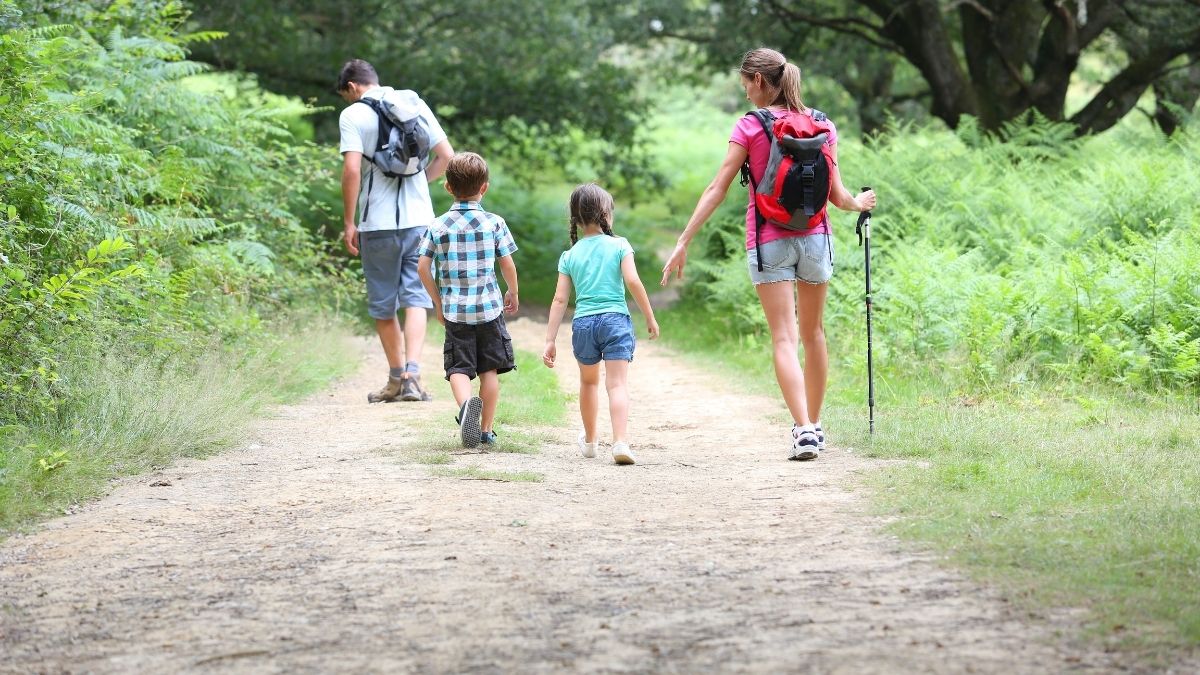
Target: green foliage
[
  {"x": 139, "y": 202},
  {"x": 1007, "y": 257},
  {"x": 531, "y": 82}
]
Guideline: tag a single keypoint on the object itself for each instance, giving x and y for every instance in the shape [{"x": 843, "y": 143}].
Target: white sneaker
[
  {"x": 622, "y": 454},
  {"x": 588, "y": 449},
  {"x": 820, "y": 436},
  {"x": 804, "y": 444}
]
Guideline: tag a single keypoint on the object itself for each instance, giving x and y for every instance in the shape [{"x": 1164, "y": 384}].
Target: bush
[{"x": 1010, "y": 257}]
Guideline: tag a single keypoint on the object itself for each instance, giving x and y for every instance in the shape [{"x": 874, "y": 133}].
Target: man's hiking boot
[
  {"x": 622, "y": 454},
  {"x": 804, "y": 444},
  {"x": 389, "y": 393},
  {"x": 411, "y": 389},
  {"x": 587, "y": 449},
  {"x": 468, "y": 421}
]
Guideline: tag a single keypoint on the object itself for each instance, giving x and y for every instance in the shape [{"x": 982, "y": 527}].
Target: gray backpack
[{"x": 402, "y": 148}]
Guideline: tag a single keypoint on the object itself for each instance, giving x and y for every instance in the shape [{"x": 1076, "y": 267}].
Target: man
[{"x": 393, "y": 216}]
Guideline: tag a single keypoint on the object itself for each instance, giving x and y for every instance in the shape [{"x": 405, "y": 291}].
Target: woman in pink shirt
[{"x": 795, "y": 265}]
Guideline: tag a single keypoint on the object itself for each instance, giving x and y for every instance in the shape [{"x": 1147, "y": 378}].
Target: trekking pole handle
[{"x": 864, "y": 218}]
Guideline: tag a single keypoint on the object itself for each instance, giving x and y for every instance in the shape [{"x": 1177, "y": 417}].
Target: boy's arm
[
  {"x": 557, "y": 309},
  {"x": 634, "y": 284},
  {"x": 508, "y": 270},
  {"x": 425, "y": 271}
]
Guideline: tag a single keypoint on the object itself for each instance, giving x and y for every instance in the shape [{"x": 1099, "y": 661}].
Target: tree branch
[
  {"x": 1121, "y": 93},
  {"x": 847, "y": 25}
]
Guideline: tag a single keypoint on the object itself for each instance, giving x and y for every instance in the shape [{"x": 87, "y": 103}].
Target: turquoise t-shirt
[{"x": 594, "y": 265}]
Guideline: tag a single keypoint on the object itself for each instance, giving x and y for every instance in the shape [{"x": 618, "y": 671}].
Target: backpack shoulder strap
[
  {"x": 765, "y": 118},
  {"x": 819, "y": 116},
  {"x": 385, "y": 125}
]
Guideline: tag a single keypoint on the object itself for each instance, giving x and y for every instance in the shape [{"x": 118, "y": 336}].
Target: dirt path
[{"x": 314, "y": 548}]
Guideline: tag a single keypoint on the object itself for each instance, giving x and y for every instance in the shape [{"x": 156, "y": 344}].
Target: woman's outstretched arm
[{"x": 713, "y": 195}]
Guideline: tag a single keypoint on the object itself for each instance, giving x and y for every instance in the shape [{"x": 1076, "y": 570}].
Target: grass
[
  {"x": 531, "y": 407},
  {"x": 134, "y": 414},
  {"x": 1061, "y": 494},
  {"x": 478, "y": 473}
]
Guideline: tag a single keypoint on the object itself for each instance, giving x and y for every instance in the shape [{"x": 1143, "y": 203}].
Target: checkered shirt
[{"x": 464, "y": 244}]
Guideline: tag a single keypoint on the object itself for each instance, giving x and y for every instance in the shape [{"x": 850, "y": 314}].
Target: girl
[
  {"x": 796, "y": 265},
  {"x": 596, "y": 265}
]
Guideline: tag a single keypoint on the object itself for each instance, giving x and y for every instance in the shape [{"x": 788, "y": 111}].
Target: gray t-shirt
[{"x": 359, "y": 127}]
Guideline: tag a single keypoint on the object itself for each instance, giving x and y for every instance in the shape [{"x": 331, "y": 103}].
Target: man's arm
[
  {"x": 508, "y": 270},
  {"x": 425, "y": 271},
  {"x": 351, "y": 182},
  {"x": 443, "y": 153}
]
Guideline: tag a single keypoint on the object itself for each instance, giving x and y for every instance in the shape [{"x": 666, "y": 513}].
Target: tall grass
[{"x": 134, "y": 412}]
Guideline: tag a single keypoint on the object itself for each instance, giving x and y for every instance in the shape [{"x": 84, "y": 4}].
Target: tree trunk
[{"x": 1178, "y": 90}]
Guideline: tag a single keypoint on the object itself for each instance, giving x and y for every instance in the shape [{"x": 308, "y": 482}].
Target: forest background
[{"x": 170, "y": 264}]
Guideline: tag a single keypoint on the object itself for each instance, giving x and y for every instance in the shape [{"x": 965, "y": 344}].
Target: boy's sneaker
[
  {"x": 622, "y": 454},
  {"x": 389, "y": 393},
  {"x": 804, "y": 444},
  {"x": 468, "y": 421},
  {"x": 820, "y": 437},
  {"x": 587, "y": 449},
  {"x": 411, "y": 389},
  {"x": 487, "y": 438}
]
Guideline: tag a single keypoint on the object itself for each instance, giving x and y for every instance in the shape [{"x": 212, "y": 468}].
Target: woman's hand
[
  {"x": 865, "y": 200},
  {"x": 652, "y": 328},
  {"x": 675, "y": 264},
  {"x": 549, "y": 354}
]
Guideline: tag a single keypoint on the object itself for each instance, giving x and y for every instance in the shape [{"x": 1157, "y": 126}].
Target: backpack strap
[
  {"x": 765, "y": 118},
  {"x": 381, "y": 141}
]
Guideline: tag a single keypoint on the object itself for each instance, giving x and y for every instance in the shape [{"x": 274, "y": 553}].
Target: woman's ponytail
[{"x": 777, "y": 75}]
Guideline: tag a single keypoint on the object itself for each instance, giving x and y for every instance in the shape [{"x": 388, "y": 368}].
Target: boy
[{"x": 464, "y": 245}]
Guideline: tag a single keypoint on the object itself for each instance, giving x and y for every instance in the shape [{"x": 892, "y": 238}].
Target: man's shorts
[
  {"x": 607, "y": 336},
  {"x": 808, "y": 259},
  {"x": 473, "y": 348},
  {"x": 389, "y": 260}
]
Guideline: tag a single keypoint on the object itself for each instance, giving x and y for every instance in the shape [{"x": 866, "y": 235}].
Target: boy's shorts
[
  {"x": 389, "y": 260},
  {"x": 473, "y": 348},
  {"x": 806, "y": 258},
  {"x": 607, "y": 336}
]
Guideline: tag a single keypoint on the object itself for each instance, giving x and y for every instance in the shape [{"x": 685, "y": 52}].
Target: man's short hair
[
  {"x": 466, "y": 174},
  {"x": 358, "y": 72}
]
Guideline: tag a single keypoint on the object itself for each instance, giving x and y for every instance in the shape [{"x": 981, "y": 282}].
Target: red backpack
[{"x": 794, "y": 190}]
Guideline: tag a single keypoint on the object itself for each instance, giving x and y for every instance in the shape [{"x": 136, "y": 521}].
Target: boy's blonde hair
[{"x": 466, "y": 174}]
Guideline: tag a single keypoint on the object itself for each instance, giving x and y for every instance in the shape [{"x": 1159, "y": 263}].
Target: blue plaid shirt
[{"x": 464, "y": 244}]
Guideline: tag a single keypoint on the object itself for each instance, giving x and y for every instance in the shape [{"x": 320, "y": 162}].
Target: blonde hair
[
  {"x": 778, "y": 75},
  {"x": 465, "y": 174},
  {"x": 591, "y": 205}
]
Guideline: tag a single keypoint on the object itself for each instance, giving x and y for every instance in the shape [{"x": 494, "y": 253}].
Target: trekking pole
[{"x": 864, "y": 239}]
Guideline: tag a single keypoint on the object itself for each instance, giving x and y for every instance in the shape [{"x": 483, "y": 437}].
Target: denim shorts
[
  {"x": 389, "y": 260},
  {"x": 607, "y": 336},
  {"x": 808, "y": 259}
]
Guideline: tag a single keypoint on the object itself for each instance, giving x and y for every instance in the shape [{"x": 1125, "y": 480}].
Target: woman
[{"x": 796, "y": 265}]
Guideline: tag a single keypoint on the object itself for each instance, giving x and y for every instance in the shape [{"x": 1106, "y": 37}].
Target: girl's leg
[
  {"x": 779, "y": 305},
  {"x": 810, "y": 306},
  {"x": 615, "y": 375},
  {"x": 589, "y": 399},
  {"x": 489, "y": 391}
]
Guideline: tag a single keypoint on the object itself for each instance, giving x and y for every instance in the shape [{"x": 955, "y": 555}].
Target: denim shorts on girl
[
  {"x": 808, "y": 259},
  {"x": 603, "y": 337}
]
